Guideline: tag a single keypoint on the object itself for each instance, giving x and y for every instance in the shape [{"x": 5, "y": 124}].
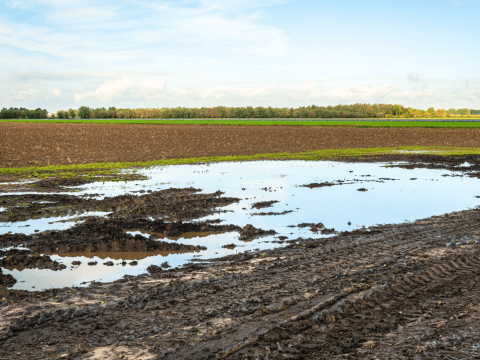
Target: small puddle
[{"x": 335, "y": 195}]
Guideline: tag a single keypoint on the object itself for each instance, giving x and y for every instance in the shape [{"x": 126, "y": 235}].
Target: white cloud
[
  {"x": 414, "y": 77},
  {"x": 22, "y": 95},
  {"x": 153, "y": 93},
  {"x": 56, "y": 92},
  {"x": 109, "y": 90},
  {"x": 152, "y": 85}
]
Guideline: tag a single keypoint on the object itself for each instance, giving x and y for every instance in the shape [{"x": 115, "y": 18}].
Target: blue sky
[{"x": 60, "y": 54}]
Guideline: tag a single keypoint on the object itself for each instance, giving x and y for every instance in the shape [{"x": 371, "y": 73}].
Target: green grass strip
[
  {"x": 339, "y": 123},
  {"x": 97, "y": 169}
]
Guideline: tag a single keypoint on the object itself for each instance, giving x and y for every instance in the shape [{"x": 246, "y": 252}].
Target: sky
[{"x": 60, "y": 54}]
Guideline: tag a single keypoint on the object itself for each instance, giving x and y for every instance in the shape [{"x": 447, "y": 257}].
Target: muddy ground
[
  {"x": 406, "y": 291},
  {"x": 34, "y": 144},
  {"x": 399, "y": 291}
]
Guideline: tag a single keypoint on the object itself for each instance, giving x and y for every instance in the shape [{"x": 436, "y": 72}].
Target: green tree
[
  {"x": 463, "y": 112},
  {"x": 84, "y": 112}
]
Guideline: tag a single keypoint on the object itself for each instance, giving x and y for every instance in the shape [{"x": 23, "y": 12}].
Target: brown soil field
[{"x": 30, "y": 144}]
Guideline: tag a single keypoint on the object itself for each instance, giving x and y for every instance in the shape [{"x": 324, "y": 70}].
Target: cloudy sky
[{"x": 60, "y": 54}]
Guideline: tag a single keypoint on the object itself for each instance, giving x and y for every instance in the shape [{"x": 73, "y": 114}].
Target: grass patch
[
  {"x": 335, "y": 123},
  {"x": 118, "y": 171}
]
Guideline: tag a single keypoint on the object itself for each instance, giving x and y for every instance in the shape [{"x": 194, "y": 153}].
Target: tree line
[
  {"x": 222, "y": 112},
  {"x": 22, "y": 113}
]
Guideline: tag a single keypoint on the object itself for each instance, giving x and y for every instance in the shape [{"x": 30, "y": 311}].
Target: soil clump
[
  {"x": 40, "y": 262},
  {"x": 249, "y": 232},
  {"x": 6, "y": 280},
  {"x": 264, "y": 204}
]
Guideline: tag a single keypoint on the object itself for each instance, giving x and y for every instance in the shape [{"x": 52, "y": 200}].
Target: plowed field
[{"x": 32, "y": 144}]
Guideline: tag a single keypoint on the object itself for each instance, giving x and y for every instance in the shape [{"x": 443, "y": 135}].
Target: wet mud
[
  {"x": 264, "y": 204},
  {"x": 391, "y": 291},
  {"x": 172, "y": 204},
  {"x": 6, "y": 280},
  {"x": 394, "y": 291},
  {"x": 249, "y": 232},
  {"x": 25, "y": 260},
  {"x": 272, "y": 213}
]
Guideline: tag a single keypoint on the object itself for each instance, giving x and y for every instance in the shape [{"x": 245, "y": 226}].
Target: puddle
[{"x": 356, "y": 195}]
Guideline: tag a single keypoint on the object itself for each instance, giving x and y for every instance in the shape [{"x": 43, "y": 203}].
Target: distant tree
[
  {"x": 72, "y": 113},
  {"x": 94, "y": 114},
  {"x": 431, "y": 111},
  {"x": 440, "y": 113},
  {"x": 83, "y": 112},
  {"x": 397, "y": 110},
  {"x": 60, "y": 114},
  {"x": 463, "y": 112}
]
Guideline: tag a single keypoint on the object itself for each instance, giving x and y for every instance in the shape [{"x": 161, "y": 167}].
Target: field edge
[{"x": 96, "y": 169}]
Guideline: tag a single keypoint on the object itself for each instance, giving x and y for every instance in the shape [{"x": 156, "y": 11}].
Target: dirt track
[{"x": 31, "y": 144}]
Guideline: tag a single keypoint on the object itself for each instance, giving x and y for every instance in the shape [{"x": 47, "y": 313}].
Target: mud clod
[
  {"x": 319, "y": 185},
  {"x": 6, "y": 280},
  {"x": 40, "y": 262},
  {"x": 229, "y": 246},
  {"x": 249, "y": 232},
  {"x": 264, "y": 204}
]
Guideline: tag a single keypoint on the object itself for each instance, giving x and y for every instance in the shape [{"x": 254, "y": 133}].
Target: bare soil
[{"x": 34, "y": 144}]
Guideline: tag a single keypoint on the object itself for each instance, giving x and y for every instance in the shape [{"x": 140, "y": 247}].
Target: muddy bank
[{"x": 407, "y": 290}]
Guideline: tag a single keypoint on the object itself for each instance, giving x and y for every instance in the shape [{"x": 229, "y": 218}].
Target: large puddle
[{"x": 369, "y": 194}]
